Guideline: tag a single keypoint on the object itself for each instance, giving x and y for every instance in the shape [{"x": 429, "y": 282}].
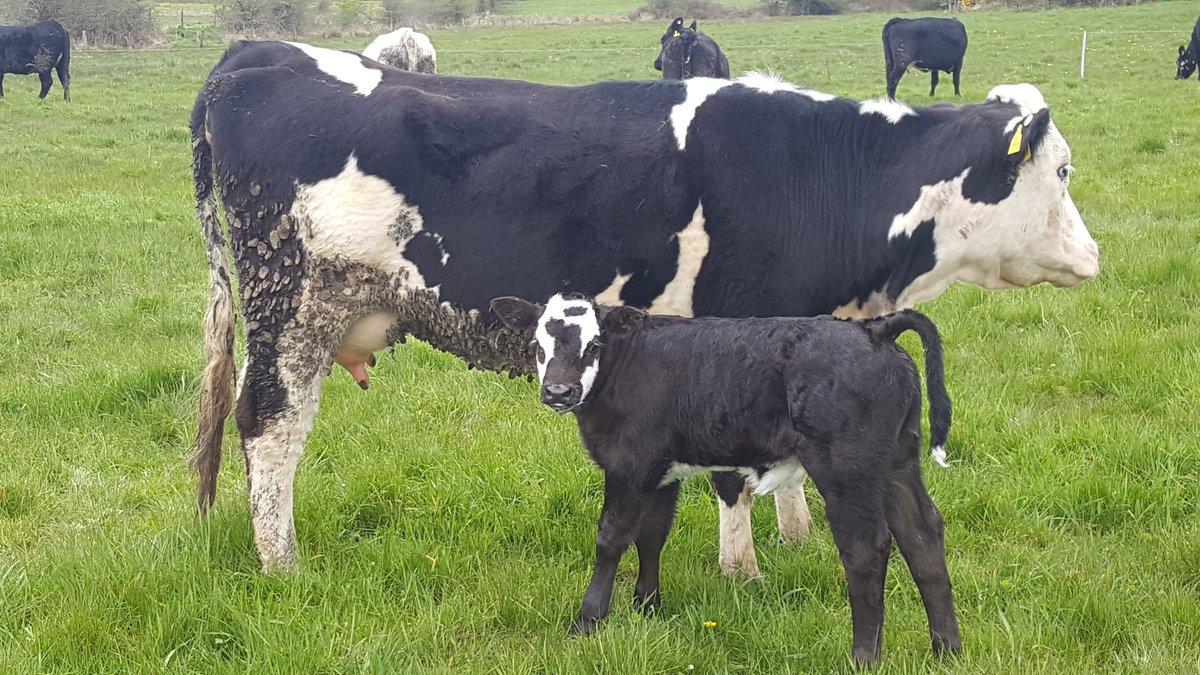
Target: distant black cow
[
  {"x": 658, "y": 398},
  {"x": 928, "y": 44},
  {"x": 686, "y": 53},
  {"x": 1189, "y": 55},
  {"x": 39, "y": 48}
]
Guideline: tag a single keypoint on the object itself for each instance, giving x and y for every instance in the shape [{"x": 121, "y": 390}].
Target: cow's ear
[
  {"x": 622, "y": 319},
  {"x": 1182, "y": 49},
  {"x": 515, "y": 312},
  {"x": 693, "y": 26},
  {"x": 1026, "y": 135}
]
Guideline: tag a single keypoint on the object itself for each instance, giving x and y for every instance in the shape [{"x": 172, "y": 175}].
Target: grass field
[{"x": 446, "y": 520}]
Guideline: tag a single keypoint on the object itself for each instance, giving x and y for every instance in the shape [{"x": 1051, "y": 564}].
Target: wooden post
[{"x": 1083, "y": 55}]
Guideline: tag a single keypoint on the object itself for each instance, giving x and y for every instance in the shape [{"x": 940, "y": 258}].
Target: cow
[
  {"x": 396, "y": 204},
  {"x": 926, "y": 44},
  {"x": 404, "y": 48},
  {"x": 39, "y": 48},
  {"x": 1189, "y": 55},
  {"x": 686, "y": 53},
  {"x": 658, "y": 398}
]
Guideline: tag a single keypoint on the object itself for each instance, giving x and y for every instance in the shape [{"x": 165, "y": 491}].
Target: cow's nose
[{"x": 555, "y": 391}]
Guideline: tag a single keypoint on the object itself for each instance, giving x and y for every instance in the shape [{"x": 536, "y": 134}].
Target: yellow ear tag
[
  {"x": 1028, "y": 155},
  {"x": 1015, "y": 145},
  {"x": 676, "y": 34}
]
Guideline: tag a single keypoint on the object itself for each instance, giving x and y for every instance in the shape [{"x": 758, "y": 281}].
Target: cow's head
[
  {"x": 1185, "y": 64},
  {"x": 568, "y": 333},
  {"x": 1008, "y": 221}
]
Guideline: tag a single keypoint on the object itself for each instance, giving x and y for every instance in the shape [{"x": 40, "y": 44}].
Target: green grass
[{"x": 446, "y": 520}]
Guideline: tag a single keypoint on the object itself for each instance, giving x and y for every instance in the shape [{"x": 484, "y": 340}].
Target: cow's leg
[
  {"x": 791, "y": 510},
  {"x": 652, "y": 533},
  {"x": 64, "y": 77},
  {"x": 955, "y": 73},
  {"x": 854, "y": 508},
  {"x": 933, "y": 80},
  {"x": 918, "y": 529},
  {"x": 277, "y": 403},
  {"x": 736, "y": 549},
  {"x": 623, "y": 507},
  {"x": 893, "y": 80},
  {"x": 1, "y": 84},
  {"x": 44, "y": 76}
]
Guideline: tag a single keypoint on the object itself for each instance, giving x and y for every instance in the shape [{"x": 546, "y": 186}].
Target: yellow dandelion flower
[{"x": 710, "y": 624}]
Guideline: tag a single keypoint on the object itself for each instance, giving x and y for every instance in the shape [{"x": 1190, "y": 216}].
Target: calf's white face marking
[
  {"x": 567, "y": 330},
  {"x": 343, "y": 66}
]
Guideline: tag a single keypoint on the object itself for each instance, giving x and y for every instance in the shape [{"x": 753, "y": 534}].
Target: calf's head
[
  {"x": 568, "y": 334},
  {"x": 1185, "y": 64}
]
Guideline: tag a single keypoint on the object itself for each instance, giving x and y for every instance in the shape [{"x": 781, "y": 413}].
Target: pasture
[{"x": 446, "y": 519}]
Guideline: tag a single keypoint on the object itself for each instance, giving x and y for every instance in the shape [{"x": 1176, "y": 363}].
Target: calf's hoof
[
  {"x": 583, "y": 627},
  {"x": 648, "y": 603},
  {"x": 865, "y": 658},
  {"x": 741, "y": 567},
  {"x": 946, "y": 646}
]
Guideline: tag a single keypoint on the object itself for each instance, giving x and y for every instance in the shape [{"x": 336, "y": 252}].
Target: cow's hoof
[{"x": 583, "y": 627}]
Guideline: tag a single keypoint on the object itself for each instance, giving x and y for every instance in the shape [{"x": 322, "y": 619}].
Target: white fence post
[{"x": 1083, "y": 55}]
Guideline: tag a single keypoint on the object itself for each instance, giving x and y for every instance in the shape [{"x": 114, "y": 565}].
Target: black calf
[{"x": 658, "y": 398}]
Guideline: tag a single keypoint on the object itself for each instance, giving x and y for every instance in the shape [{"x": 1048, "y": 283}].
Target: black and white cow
[
  {"x": 659, "y": 398},
  {"x": 926, "y": 44},
  {"x": 39, "y": 48},
  {"x": 1189, "y": 55},
  {"x": 404, "y": 48},
  {"x": 687, "y": 53},
  {"x": 394, "y": 203}
]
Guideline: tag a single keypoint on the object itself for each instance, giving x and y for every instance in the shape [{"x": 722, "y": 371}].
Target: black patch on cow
[
  {"x": 575, "y": 311},
  {"x": 426, "y": 252},
  {"x": 918, "y": 257}
]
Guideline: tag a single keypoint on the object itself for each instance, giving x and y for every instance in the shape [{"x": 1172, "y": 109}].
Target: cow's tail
[
  {"x": 889, "y": 328},
  {"x": 64, "y": 63},
  {"x": 216, "y": 388},
  {"x": 887, "y": 48}
]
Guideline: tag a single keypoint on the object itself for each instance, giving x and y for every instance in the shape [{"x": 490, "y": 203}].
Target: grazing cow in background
[
  {"x": 404, "y": 48},
  {"x": 395, "y": 204},
  {"x": 39, "y": 48},
  {"x": 1189, "y": 55},
  {"x": 927, "y": 44},
  {"x": 659, "y": 398},
  {"x": 688, "y": 53}
]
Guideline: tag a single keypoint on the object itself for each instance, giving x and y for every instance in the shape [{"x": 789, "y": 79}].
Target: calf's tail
[
  {"x": 216, "y": 388},
  {"x": 889, "y": 328}
]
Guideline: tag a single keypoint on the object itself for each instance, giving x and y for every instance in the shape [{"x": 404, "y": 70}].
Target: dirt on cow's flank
[{"x": 446, "y": 520}]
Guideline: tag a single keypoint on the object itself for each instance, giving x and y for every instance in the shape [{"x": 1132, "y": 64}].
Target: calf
[
  {"x": 928, "y": 44},
  {"x": 658, "y": 398},
  {"x": 1189, "y": 55},
  {"x": 39, "y": 48},
  {"x": 688, "y": 53},
  {"x": 404, "y": 48}
]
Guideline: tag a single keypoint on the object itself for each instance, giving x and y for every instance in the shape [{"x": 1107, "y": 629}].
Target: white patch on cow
[
  {"x": 931, "y": 200},
  {"x": 791, "y": 509},
  {"x": 770, "y": 84},
  {"x": 678, "y": 295},
  {"x": 401, "y": 48},
  {"x": 611, "y": 296},
  {"x": 776, "y": 475},
  {"x": 893, "y": 111},
  {"x": 696, "y": 91},
  {"x": 1025, "y": 96},
  {"x": 343, "y": 66},
  {"x": 877, "y": 304},
  {"x": 736, "y": 550},
  {"x": 351, "y": 217}
]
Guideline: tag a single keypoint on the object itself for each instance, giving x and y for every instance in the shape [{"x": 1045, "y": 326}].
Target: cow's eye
[
  {"x": 592, "y": 350},
  {"x": 1064, "y": 173},
  {"x": 541, "y": 354}
]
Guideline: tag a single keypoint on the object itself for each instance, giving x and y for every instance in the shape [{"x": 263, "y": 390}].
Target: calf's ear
[
  {"x": 622, "y": 319},
  {"x": 515, "y": 312},
  {"x": 693, "y": 26}
]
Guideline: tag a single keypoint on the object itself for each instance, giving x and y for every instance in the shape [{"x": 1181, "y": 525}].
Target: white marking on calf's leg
[
  {"x": 677, "y": 297},
  {"x": 791, "y": 510},
  {"x": 737, "y": 557}
]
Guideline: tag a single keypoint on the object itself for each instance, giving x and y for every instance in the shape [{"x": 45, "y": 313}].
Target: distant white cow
[{"x": 404, "y": 48}]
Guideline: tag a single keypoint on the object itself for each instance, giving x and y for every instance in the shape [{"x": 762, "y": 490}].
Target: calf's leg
[
  {"x": 736, "y": 549},
  {"x": 918, "y": 529},
  {"x": 623, "y": 508},
  {"x": 1, "y": 84},
  {"x": 854, "y": 508},
  {"x": 955, "y": 74},
  {"x": 652, "y": 531}
]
